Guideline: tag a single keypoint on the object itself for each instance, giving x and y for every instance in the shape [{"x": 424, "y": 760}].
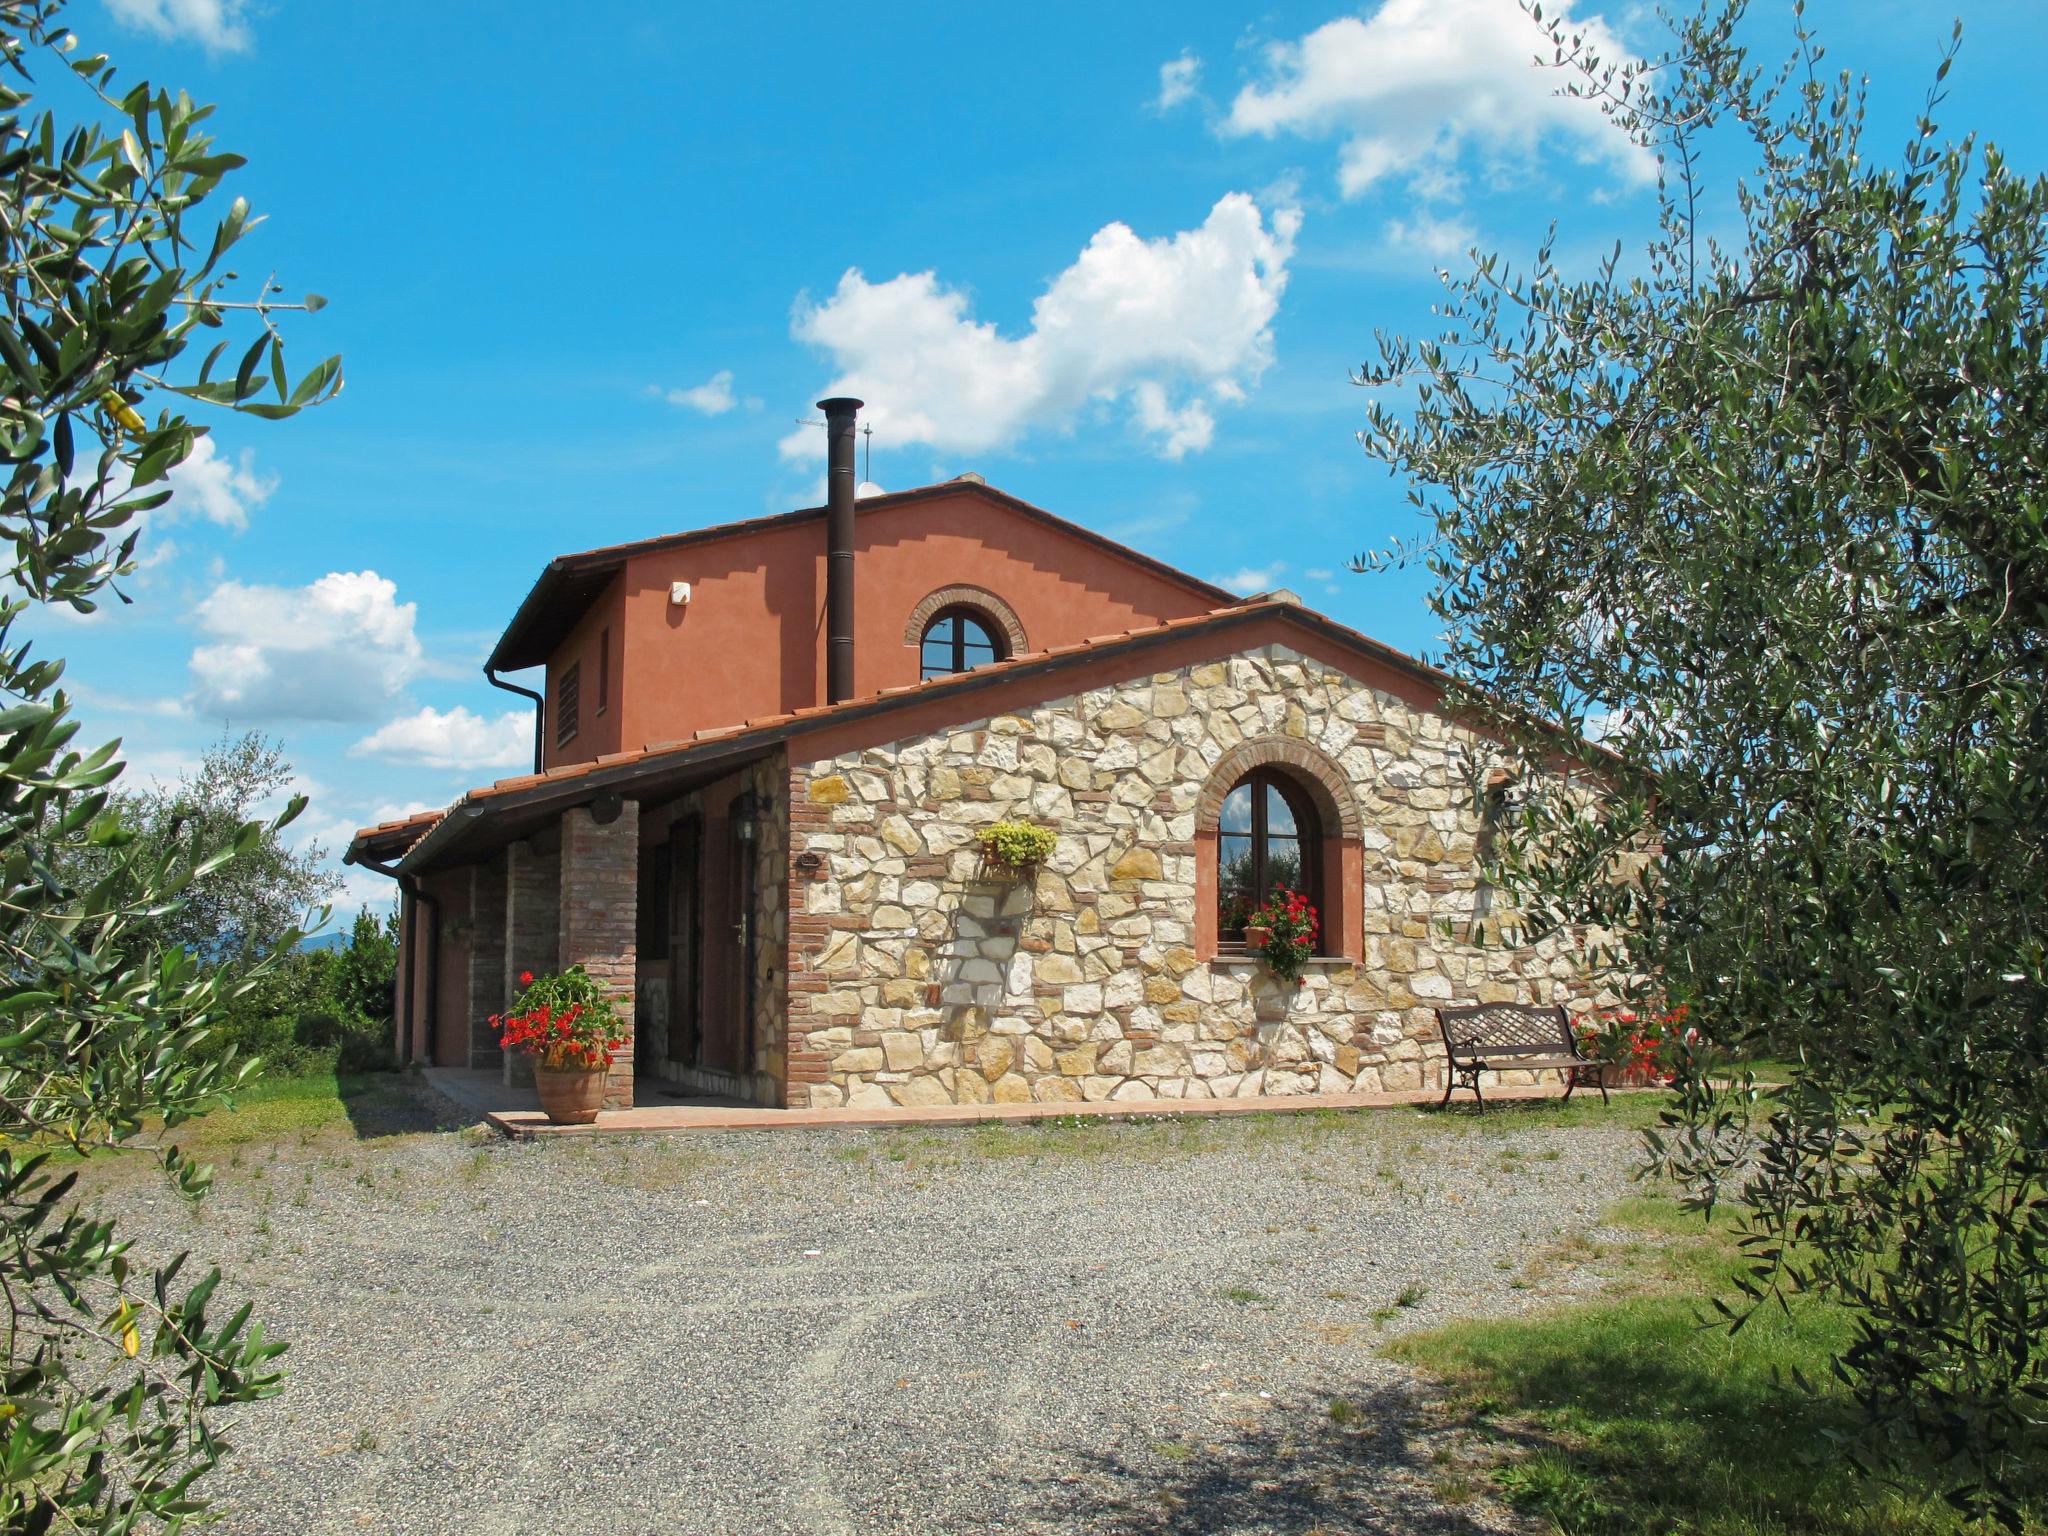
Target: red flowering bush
[
  {"x": 1292, "y": 928},
  {"x": 1643, "y": 1047},
  {"x": 563, "y": 1020}
]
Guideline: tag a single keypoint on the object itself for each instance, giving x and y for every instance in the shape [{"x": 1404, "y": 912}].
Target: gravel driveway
[{"x": 1085, "y": 1327}]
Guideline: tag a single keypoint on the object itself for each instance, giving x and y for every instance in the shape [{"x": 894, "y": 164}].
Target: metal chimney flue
[{"x": 839, "y": 496}]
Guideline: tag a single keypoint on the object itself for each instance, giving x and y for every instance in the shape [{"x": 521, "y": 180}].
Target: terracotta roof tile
[{"x": 938, "y": 686}]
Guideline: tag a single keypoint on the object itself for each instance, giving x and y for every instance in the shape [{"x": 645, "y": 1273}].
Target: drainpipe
[
  {"x": 539, "y": 709},
  {"x": 415, "y": 894}
]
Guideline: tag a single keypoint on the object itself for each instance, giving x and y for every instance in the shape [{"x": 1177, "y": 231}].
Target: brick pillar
[
  {"x": 533, "y": 917},
  {"x": 486, "y": 959},
  {"x": 401, "y": 994},
  {"x": 600, "y": 895}
]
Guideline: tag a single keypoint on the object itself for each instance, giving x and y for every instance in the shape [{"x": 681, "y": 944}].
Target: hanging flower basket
[
  {"x": 570, "y": 1027},
  {"x": 1015, "y": 848}
]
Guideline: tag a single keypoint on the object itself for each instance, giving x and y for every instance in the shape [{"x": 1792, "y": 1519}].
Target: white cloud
[
  {"x": 1252, "y": 578},
  {"x": 1131, "y": 320},
  {"x": 1178, "y": 430},
  {"x": 362, "y": 888},
  {"x": 714, "y": 397},
  {"x": 337, "y": 649},
  {"x": 1441, "y": 238},
  {"x": 1411, "y": 86},
  {"x": 210, "y": 486},
  {"x": 456, "y": 739},
  {"x": 1177, "y": 80},
  {"x": 216, "y": 24}
]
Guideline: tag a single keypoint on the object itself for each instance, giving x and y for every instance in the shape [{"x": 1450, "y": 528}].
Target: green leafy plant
[
  {"x": 107, "y": 274},
  {"x": 1763, "y": 510},
  {"x": 1017, "y": 845}
]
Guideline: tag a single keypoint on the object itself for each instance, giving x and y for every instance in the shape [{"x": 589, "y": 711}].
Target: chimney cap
[
  {"x": 840, "y": 405},
  {"x": 969, "y": 477}
]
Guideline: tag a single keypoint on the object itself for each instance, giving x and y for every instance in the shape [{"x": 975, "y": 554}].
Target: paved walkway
[{"x": 516, "y": 1113}]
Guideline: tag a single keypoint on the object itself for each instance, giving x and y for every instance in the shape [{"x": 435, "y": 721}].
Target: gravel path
[{"x": 1133, "y": 1328}]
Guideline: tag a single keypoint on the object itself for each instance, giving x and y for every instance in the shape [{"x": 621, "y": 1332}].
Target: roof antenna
[{"x": 867, "y": 431}]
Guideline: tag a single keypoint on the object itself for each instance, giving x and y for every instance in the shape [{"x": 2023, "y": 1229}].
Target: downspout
[
  {"x": 415, "y": 894},
  {"x": 539, "y": 710}
]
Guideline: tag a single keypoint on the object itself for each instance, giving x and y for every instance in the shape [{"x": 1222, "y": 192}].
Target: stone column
[
  {"x": 600, "y": 892},
  {"x": 533, "y": 916},
  {"x": 486, "y": 959}
]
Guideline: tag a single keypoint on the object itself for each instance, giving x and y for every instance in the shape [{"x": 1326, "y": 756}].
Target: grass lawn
[
  {"x": 272, "y": 1107},
  {"x": 1628, "y": 1415},
  {"x": 274, "y": 1111}
]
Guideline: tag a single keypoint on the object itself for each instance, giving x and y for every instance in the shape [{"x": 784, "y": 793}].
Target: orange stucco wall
[{"x": 751, "y": 641}]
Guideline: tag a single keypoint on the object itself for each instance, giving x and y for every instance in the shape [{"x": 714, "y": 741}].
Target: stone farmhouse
[{"x": 764, "y": 752}]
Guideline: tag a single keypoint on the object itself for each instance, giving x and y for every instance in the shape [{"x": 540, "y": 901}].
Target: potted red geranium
[
  {"x": 570, "y": 1027},
  {"x": 1634, "y": 1050},
  {"x": 1284, "y": 931}
]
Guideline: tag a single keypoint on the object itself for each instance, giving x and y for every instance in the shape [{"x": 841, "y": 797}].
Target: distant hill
[{"x": 333, "y": 939}]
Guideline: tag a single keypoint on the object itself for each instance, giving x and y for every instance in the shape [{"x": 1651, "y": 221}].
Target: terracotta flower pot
[
  {"x": 1614, "y": 1074},
  {"x": 1257, "y": 938},
  {"x": 569, "y": 1095}
]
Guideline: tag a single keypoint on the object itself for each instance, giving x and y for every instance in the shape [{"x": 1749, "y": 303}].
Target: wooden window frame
[
  {"x": 998, "y": 640},
  {"x": 1308, "y": 836}
]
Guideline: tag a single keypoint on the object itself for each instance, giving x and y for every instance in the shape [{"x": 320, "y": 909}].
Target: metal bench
[{"x": 1500, "y": 1037}]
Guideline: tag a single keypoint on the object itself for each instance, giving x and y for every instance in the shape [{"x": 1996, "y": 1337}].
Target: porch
[
  {"x": 671, "y": 899},
  {"x": 516, "y": 1114}
]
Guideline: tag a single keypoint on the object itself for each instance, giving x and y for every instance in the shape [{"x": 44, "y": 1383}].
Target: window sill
[{"x": 1313, "y": 962}]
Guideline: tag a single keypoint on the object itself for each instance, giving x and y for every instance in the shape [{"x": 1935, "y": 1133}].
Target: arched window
[
  {"x": 958, "y": 640},
  {"x": 1268, "y": 837}
]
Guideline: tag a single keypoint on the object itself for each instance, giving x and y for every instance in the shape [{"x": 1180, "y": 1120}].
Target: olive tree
[
  {"x": 1762, "y": 509},
  {"x": 108, "y": 275}
]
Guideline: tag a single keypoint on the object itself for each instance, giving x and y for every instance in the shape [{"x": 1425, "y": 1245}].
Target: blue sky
[{"x": 588, "y": 271}]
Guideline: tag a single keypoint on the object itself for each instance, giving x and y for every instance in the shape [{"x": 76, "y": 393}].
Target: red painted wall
[
  {"x": 598, "y": 731},
  {"x": 751, "y": 641}
]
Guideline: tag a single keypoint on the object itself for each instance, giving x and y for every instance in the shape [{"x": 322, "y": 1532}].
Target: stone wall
[{"x": 915, "y": 977}]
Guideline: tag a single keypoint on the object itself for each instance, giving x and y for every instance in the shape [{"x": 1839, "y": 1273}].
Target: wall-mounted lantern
[{"x": 745, "y": 813}]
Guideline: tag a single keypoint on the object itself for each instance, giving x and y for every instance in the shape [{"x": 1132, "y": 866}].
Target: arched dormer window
[
  {"x": 958, "y": 639},
  {"x": 1268, "y": 838},
  {"x": 958, "y": 628}
]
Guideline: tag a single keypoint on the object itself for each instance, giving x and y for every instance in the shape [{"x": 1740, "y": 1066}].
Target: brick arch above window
[
  {"x": 1000, "y": 615},
  {"x": 1321, "y": 778}
]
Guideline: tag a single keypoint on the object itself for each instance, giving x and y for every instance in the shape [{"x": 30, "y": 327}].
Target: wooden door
[
  {"x": 738, "y": 1031},
  {"x": 686, "y": 942}
]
